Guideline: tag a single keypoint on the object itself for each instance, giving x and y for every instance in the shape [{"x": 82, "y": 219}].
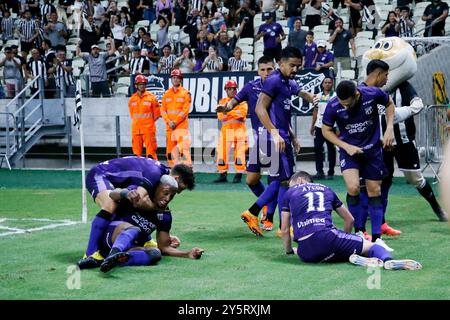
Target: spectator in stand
[
  {"x": 341, "y": 38},
  {"x": 99, "y": 10},
  {"x": 137, "y": 9},
  {"x": 406, "y": 25},
  {"x": 165, "y": 8},
  {"x": 128, "y": 39},
  {"x": 7, "y": 26},
  {"x": 167, "y": 61},
  {"x": 55, "y": 31},
  {"x": 124, "y": 17},
  {"x": 152, "y": 52},
  {"x": 97, "y": 68},
  {"x": 185, "y": 62},
  {"x": 64, "y": 75},
  {"x": 46, "y": 10},
  {"x": 149, "y": 12},
  {"x": 355, "y": 20},
  {"x": 199, "y": 58},
  {"x": 162, "y": 36},
  {"x": 273, "y": 35},
  {"x": 140, "y": 38},
  {"x": 293, "y": 11},
  {"x": 310, "y": 51},
  {"x": 203, "y": 43},
  {"x": 225, "y": 46},
  {"x": 138, "y": 64},
  {"x": 297, "y": 36},
  {"x": 325, "y": 59},
  {"x": 112, "y": 9},
  {"x": 313, "y": 14},
  {"x": 217, "y": 23},
  {"x": 40, "y": 30},
  {"x": 434, "y": 15},
  {"x": 49, "y": 57},
  {"x": 105, "y": 26},
  {"x": 181, "y": 12},
  {"x": 75, "y": 20},
  {"x": 12, "y": 74},
  {"x": 213, "y": 62},
  {"x": 36, "y": 67},
  {"x": 34, "y": 7},
  {"x": 246, "y": 13},
  {"x": 192, "y": 26},
  {"x": 28, "y": 32},
  {"x": 236, "y": 63},
  {"x": 116, "y": 31},
  {"x": 271, "y": 6},
  {"x": 89, "y": 34},
  {"x": 390, "y": 27}
]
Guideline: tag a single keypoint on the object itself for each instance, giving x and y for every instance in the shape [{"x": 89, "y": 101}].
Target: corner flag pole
[{"x": 79, "y": 123}]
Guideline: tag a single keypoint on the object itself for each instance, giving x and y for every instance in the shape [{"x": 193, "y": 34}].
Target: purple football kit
[
  {"x": 127, "y": 172},
  {"x": 360, "y": 126},
  {"x": 311, "y": 206}
]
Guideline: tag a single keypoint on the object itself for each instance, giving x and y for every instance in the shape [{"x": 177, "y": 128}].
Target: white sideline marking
[{"x": 53, "y": 225}]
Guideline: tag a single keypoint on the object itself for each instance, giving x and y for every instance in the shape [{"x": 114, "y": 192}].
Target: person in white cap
[{"x": 325, "y": 59}]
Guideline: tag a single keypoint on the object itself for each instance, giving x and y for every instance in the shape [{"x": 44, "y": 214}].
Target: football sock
[
  {"x": 427, "y": 192},
  {"x": 271, "y": 207},
  {"x": 281, "y": 193},
  {"x": 379, "y": 252},
  {"x": 98, "y": 227},
  {"x": 376, "y": 216},
  {"x": 257, "y": 189},
  {"x": 125, "y": 239},
  {"x": 142, "y": 258},
  {"x": 255, "y": 209},
  {"x": 269, "y": 194},
  {"x": 354, "y": 206},
  {"x": 360, "y": 224}
]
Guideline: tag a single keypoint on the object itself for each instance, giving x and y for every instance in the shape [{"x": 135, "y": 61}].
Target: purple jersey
[
  {"x": 132, "y": 171},
  {"x": 280, "y": 89},
  {"x": 324, "y": 58},
  {"x": 250, "y": 93},
  {"x": 310, "y": 205},
  {"x": 310, "y": 52},
  {"x": 359, "y": 126},
  {"x": 272, "y": 33}
]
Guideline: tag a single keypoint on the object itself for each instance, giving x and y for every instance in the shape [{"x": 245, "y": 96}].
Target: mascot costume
[{"x": 402, "y": 61}]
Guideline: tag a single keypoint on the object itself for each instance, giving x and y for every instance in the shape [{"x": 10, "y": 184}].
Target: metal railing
[{"x": 432, "y": 136}]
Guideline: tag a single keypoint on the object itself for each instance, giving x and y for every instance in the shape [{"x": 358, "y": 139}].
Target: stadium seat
[
  {"x": 173, "y": 29},
  {"x": 123, "y": 81},
  {"x": 245, "y": 41},
  {"x": 321, "y": 28},
  {"x": 246, "y": 49},
  {"x": 364, "y": 34},
  {"x": 247, "y": 57},
  {"x": 363, "y": 42},
  {"x": 122, "y": 91},
  {"x": 348, "y": 75},
  {"x": 143, "y": 23},
  {"x": 283, "y": 23},
  {"x": 79, "y": 63},
  {"x": 321, "y": 36}
]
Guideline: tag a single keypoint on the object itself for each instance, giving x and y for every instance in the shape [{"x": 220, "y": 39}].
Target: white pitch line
[{"x": 59, "y": 223}]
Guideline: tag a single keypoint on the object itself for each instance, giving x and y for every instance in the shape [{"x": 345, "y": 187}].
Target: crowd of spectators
[{"x": 44, "y": 37}]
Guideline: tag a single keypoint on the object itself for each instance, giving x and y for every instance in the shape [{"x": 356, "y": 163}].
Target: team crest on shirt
[
  {"x": 160, "y": 216},
  {"x": 342, "y": 163},
  {"x": 368, "y": 110}
]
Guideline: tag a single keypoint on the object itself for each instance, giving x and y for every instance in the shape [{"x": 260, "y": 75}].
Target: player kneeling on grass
[
  {"x": 128, "y": 241},
  {"x": 309, "y": 206}
]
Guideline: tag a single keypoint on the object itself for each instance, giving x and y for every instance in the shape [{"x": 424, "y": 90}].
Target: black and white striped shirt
[
  {"x": 37, "y": 68},
  {"x": 405, "y": 31},
  {"x": 166, "y": 63},
  {"x": 138, "y": 65},
  {"x": 129, "y": 40},
  {"x": 140, "y": 43},
  {"x": 27, "y": 29},
  {"x": 46, "y": 9},
  {"x": 196, "y": 4},
  {"x": 237, "y": 65},
  {"x": 7, "y": 27},
  {"x": 213, "y": 66},
  {"x": 63, "y": 74}
]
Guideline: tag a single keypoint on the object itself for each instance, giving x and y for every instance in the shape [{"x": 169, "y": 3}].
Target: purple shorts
[
  {"x": 329, "y": 246},
  {"x": 96, "y": 182},
  {"x": 370, "y": 163}
]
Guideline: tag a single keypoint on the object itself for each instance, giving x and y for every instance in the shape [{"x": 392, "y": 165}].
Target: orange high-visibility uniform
[
  {"x": 175, "y": 107},
  {"x": 144, "y": 111},
  {"x": 233, "y": 133}
]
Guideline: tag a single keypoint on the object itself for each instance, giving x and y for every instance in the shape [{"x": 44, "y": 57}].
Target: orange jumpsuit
[
  {"x": 175, "y": 107},
  {"x": 232, "y": 133},
  {"x": 144, "y": 111}
]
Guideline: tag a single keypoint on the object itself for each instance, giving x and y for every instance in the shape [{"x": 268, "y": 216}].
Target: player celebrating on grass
[
  {"x": 274, "y": 111},
  {"x": 308, "y": 206},
  {"x": 134, "y": 173},
  {"x": 356, "y": 112},
  {"x": 130, "y": 232},
  {"x": 250, "y": 93}
]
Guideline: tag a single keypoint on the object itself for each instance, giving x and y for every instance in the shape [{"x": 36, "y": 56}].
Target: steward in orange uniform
[
  {"x": 144, "y": 111},
  {"x": 176, "y": 103},
  {"x": 233, "y": 133}
]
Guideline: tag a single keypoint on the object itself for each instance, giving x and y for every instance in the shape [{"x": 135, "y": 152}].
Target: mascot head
[{"x": 400, "y": 57}]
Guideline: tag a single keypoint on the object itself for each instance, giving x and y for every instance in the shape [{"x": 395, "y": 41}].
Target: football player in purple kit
[
  {"x": 355, "y": 110},
  {"x": 273, "y": 109},
  {"x": 250, "y": 93},
  {"x": 134, "y": 173},
  {"x": 128, "y": 240},
  {"x": 308, "y": 207}
]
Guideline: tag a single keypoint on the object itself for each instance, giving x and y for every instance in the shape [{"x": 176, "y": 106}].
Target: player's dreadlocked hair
[{"x": 186, "y": 175}]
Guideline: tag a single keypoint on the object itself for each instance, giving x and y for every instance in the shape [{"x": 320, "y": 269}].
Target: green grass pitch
[{"x": 236, "y": 264}]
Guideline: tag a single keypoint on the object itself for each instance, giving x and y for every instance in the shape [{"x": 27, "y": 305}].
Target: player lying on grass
[
  {"x": 308, "y": 206},
  {"x": 134, "y": 173},
  {"x": 128, "y": 240}
]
